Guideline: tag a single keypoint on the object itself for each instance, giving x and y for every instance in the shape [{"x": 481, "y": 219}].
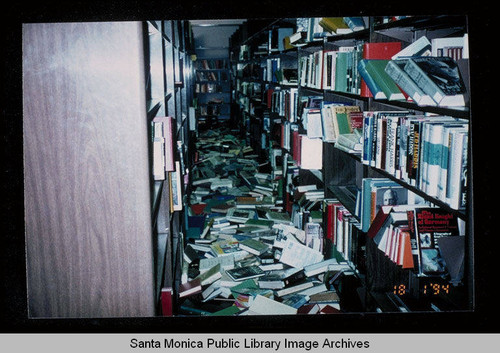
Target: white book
[
  {"x": 294, "y": 289},
  {"x": 264, "y": 306},
  {"x": 319, "y": 267},
  {"x": 225, "y": 262},
  {"x": 314, "y": 123},
  {"x": 445, "y": 153},
  {"x": 314, "y": 290},
  {"x": 420, "y": 47},
  {"x": 298, "y": 255},
  {"x": 311, "y": 153},
  {"x": 456, "y": 169}
]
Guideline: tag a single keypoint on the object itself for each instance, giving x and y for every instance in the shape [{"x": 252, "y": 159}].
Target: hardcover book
[
  {"x": 377, "y": 51},
  {"x": 426, "y": 227},
  {"x": 395, "y": 69},
  {"x": 439, "y": 77},
  {"x": 253, "y": 246},
  {"x": 378, "y": 81}
]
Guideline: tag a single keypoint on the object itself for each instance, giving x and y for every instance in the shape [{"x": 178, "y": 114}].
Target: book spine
[
  {"x": 423, "y": 81},
  {"x": 435, "y": 143},
  {"x": 404, "y": 81},
  {"x": 367, "y": 120},
  {"x": 443, "y": 167},
  {"x": 375, "y": 89},
  {"x": 455, "y": 191},
  {"x": 415, "y": 144}
]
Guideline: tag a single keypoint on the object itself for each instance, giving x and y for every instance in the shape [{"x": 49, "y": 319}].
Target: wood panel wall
[{"x": 87, "y": 184}]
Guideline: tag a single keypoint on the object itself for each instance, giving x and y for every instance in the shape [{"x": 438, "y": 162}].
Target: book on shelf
[
  {"x": 455, "y": 193},
  {"x": 167, "y": 304},
  {"x": 427, "y": 226},
  {"x": 378, "y": 81},
  {"x": 379, "y": 192},
  {"x": 176, "y": 187},
  {"x": 159, "y": 158},
  {"x": 351, "y": 143},
  {"x": 420, "y": 47},
  {"x": 378, "y": 51},
  {"x": 311, "y": 153},
  {"x": 440, "y": 78},
  {"x": 336, "y": 25},
  {"x": 454, "y": 47},
  {"x": 452, "y": 249},
  {"x": 395, "y": 70},
  {"x": 163, "y": 127},
  {"x": 345, "y": 74},
  {"x": 277, "y": 36},
  {"x": 355, "y": 23}
]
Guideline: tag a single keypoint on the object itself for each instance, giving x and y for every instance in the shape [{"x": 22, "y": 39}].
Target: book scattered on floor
[
  {"x": 244, "y": 273},
  {"x": 245, "y": 254}
]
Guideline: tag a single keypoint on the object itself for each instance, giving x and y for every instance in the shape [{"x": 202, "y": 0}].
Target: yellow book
[{"x": 334, "y": 24}]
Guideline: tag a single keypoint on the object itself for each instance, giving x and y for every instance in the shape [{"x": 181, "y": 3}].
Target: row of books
[
  {"x": 334, "y": 70},
  {"x": 428, "y": 152},
  {"x": 244, "y": 254},
  {"x": 343, "y": 232},
  {"x": 162, "y": 136},
  {"x": 305, "y": 30},
  {"x": 426, "y": 80},
  {"x": 207, "y": 88},
  {"x": 212, "y": 76},
  {"x": 425, "y": 72},
  {"x": 211, "y": 64},
  {"x": 283, "y": 102},
  {"x": 250, "y": 89}
]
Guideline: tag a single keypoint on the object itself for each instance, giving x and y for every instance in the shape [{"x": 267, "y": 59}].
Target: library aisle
[{"x": 292, "y": 166}]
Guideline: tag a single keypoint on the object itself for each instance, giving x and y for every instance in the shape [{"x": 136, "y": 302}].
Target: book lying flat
[
  {"x": 244, "y": 273},
  {"x": 253, "y": 246},
  {"x": 264, "y": 306}
]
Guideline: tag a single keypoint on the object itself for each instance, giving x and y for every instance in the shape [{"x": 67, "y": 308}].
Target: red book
[
  {"x": 378, "y": 51},
  {"x": 166, "y": 301},
  {"x": 198, "y": 208},
  {"x": 296, "y": 146},
  {"x": 270, "y": 92},
  {"x": 190, "y": 288},
  {"x": 331, "y": 220}
]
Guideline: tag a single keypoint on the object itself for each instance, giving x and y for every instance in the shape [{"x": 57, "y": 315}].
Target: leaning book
[
  {"x": 439, "y": 77},
  {"x": 244, "y": 273}
]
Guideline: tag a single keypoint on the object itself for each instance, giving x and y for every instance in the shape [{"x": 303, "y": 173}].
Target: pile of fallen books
[{"x": 243, "y": 253}]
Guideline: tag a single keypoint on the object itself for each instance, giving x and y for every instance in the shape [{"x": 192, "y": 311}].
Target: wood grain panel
[{"x": 87, "y": 186}]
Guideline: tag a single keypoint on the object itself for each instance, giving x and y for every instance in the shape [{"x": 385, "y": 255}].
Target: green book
[
  {"x": 375, "y": 70},
  {"x": 341, "y": 72},
  {"x": 229, "y": 311}
]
